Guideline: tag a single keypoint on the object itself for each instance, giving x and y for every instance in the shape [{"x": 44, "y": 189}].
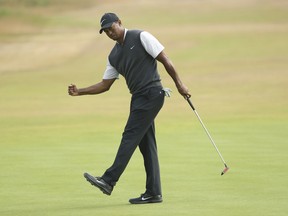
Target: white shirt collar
[{"x": 125, "y": 32}]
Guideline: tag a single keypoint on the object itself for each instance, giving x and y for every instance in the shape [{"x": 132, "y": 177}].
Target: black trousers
[{"x": 140, "y": 131}]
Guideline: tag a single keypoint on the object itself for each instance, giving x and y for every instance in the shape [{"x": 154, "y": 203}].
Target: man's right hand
[{"x": 72, "y": 90}]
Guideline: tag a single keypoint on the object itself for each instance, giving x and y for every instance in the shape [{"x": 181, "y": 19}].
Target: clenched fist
[{"x": 72, "y": 90}]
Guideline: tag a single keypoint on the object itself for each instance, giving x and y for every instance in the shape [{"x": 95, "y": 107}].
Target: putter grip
[{"x": 190, "y": 103}]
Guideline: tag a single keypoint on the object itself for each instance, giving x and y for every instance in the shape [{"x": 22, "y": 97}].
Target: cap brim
[{"x": 108, "y": 25}]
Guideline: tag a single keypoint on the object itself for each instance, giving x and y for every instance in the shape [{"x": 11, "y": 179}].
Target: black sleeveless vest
[{"x": 133, "y": 62}]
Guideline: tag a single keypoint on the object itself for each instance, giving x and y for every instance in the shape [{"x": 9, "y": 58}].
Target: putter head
[{"x": 225, "y": 170}]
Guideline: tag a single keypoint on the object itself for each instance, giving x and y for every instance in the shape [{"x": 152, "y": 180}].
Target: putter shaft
[{"x": 208, "y": 134}]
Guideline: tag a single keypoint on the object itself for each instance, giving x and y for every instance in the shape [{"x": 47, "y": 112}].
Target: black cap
[{"x": 107, "y": 20}]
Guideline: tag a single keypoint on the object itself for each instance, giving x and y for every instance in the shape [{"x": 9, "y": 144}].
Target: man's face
[{"x": 115, "y": 31}]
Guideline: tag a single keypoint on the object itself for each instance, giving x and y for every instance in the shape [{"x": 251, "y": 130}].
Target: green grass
[{"x": 236, "y": 69}]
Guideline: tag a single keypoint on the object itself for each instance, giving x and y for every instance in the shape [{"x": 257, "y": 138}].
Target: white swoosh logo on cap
[{"x": 102, "y": 21}]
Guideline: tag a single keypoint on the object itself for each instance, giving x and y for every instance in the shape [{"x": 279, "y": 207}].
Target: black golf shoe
[
  {"x": 99, "y": 183},
  {"x": 146, "y": 198}
]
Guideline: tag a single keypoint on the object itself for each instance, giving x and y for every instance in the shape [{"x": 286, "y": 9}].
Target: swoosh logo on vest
[{"x": 132, "y": 47}]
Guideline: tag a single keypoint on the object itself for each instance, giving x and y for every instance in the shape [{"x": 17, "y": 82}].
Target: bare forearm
[
  {"x": 94, "y": 89},
  {"x": 167, "y": 63},
  {"x": 173, "y": 74},
  {"x": 98, "y": 88}
]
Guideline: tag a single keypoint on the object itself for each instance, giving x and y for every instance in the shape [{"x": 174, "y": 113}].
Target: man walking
[{"x": 135, "y": 57}]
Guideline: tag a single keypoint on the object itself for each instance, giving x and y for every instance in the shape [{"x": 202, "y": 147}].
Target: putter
[{"x": 208, "y": 134}]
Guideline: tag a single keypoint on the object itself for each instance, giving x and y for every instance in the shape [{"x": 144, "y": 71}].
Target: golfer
[{"x": 135, "y": 57}]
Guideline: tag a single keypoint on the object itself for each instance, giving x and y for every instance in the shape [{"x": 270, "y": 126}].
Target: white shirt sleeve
[
  {"x": 151, "y": 44},
  {"x": 110, "y": 72}
]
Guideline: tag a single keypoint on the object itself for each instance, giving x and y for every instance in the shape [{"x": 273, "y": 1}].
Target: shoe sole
[
  {"x": 146, "y": 201},
  {"x": 90, "y": 179}
]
